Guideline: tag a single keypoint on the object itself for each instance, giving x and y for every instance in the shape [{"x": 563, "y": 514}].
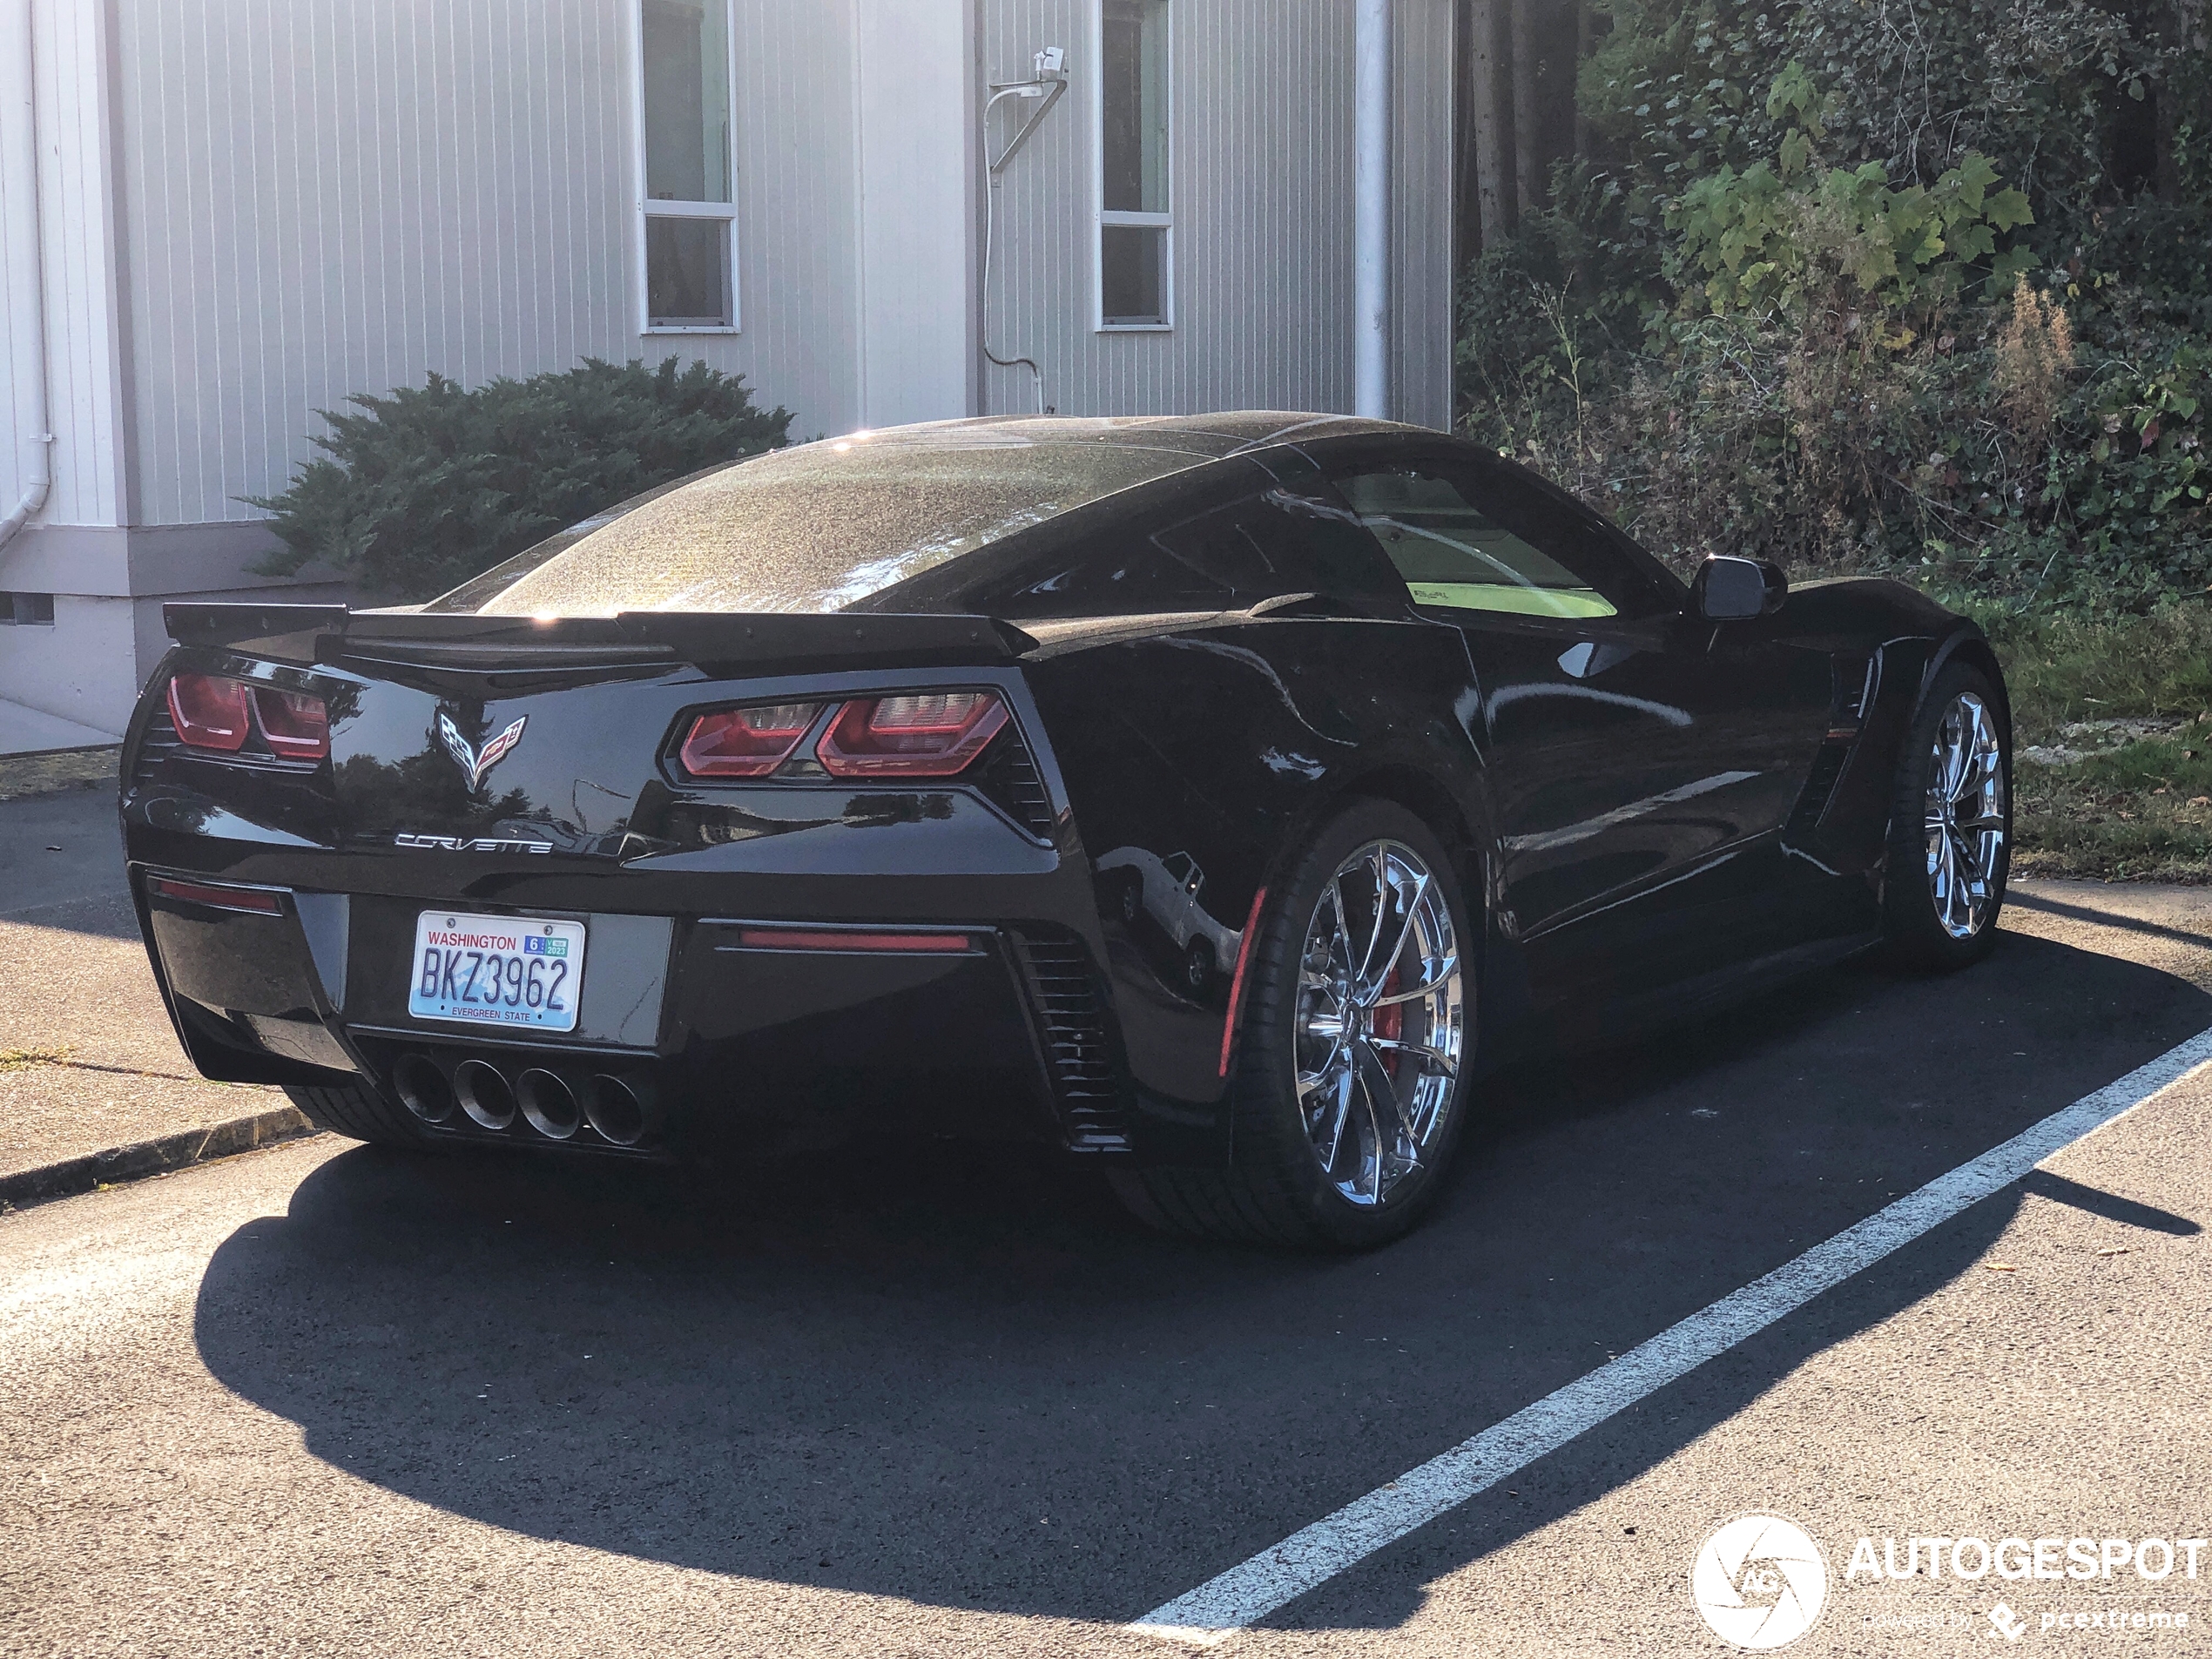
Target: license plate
[{"x": 496, "y": 970}]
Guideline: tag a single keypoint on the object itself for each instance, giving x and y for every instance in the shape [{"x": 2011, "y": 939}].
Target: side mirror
[{"x": 1731, "y": 590}]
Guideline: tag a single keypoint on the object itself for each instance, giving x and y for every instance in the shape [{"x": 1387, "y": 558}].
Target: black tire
[
  {"x": 1274, "y": 1191},
  {"x": 1131, "y": 899},
  {"x": 1198, "y": 967},
  {"x": 1912, "y": 924},
  {"x": 360, "y": 1113}
]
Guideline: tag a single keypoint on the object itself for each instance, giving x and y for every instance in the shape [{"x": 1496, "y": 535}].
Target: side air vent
[
  {"x": 1854, "y": 688},
  {"x": 1820, "y": 788},
  {"x": 1008, "y": 780},
  {"x": 161, "y": 742},
  {"x": 1071, "y": 1027}
]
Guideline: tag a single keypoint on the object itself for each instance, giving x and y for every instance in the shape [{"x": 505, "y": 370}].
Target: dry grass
[
  {"x": 42, "y": 774},
  {"x": 2138, "y": 810},
  {"x": 19, "y": 1059}
]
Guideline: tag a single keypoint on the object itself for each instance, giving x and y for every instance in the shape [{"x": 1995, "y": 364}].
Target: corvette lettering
[{"x": 451, "y": 844}]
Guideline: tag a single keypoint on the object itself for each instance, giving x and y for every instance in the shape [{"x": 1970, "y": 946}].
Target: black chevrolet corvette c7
[{"x": 1214, "y": 799}]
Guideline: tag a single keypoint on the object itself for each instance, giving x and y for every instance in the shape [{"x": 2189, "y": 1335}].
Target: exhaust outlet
[
  {"x": 423, "y": 1087},
  {"x": 483, "y": 1094},
  {"x": 548, "y": 1104},
  {"x": 621, "y": 1111}
]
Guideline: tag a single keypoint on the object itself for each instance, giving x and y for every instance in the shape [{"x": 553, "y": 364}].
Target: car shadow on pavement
[{"x": 958, "y": 1377}]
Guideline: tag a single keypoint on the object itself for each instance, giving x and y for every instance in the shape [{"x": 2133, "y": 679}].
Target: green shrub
[
  {"x": 1775, "y": 240},
  {"x": 1682, "y": 88},
  {"x": 430, "y": 485},
  {"x": 1888, "y": 309}
]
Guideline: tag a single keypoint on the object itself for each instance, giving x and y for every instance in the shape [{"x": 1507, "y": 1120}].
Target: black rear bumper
[{"x": 760, "y": 1032}]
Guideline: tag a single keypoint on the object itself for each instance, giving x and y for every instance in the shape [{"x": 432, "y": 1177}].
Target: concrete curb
[{"x": 159, "y": 1157}]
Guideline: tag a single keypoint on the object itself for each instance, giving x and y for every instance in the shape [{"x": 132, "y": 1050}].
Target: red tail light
[
  {"x": 210, "y": 711},
  {"x": 221, "y": 896},
  {"x": 215, "y": 711},
  {"x": 296, "y": 725},
  {"x": 934, "y": 735},
  {"x": 852, "y": 940},
  {"x": 745, "y": 743}
]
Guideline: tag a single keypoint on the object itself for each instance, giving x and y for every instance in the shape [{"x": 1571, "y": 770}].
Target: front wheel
[
  {"x": 1351, "y": 1078},
  {"x": 1951, "y": 826}
]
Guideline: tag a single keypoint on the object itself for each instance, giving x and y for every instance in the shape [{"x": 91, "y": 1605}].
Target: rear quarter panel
[{"x": 1231, "y": 743}]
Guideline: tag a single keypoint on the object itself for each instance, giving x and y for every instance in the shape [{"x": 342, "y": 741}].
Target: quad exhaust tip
[
  {"x": 423, "y": 1087},
  {"x": 483, "y": 1094},
  {"x": 622, "y": 1109},
  {"x": 548, "y": 1104}
]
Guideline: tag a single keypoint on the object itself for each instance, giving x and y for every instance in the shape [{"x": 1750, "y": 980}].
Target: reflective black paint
[{"x": 1652, "y": 811}]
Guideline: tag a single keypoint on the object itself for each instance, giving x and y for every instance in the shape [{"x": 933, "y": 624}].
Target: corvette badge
[{"x": 475, "y": 763}]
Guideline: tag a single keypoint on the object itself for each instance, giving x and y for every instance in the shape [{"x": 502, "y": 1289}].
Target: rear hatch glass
[{"x": 821, "y": 527}]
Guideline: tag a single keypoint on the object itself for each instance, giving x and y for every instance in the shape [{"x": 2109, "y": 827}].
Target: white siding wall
[
  {"x": 321, "y": 197},
  {"x": 19, "y": 342},
  {"x": 915, "y": 134},
  {"x": 1261, "y": 158},
  {"x": 326, "y": 197},
  {"x": 82, "y": 360}
]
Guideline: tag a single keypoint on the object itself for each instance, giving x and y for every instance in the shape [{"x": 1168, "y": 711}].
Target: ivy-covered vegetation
[
  {"x": 1921, "y": 286},
  {"x": 430, "y": 484}
]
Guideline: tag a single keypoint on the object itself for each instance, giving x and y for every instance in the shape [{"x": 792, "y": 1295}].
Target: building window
[
  {"x": 27, "y": 609},
  {"x": 689, "y": 209},
  {"x": 1135, "y": 225}
]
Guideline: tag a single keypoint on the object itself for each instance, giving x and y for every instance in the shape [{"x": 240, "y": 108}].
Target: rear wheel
[
  {"x": 1951, "y": 826},
  {"x": 1350, "y": 1087},
  {"x": 358, "y": 1112}
]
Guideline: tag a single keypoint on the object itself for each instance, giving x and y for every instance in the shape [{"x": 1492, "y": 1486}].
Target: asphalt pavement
[{"x": 323, "y": 1398}]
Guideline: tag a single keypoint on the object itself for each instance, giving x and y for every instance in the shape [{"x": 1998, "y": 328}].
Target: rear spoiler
[{"x": 306, "y": 635}]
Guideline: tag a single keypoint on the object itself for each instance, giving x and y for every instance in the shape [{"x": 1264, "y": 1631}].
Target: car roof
[
  {"x": 826, "y": 523},
  {"x": 1213, "y": 436}
]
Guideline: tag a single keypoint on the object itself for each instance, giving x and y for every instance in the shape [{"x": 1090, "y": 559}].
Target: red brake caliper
[{"x": 1388, "y": 1023}]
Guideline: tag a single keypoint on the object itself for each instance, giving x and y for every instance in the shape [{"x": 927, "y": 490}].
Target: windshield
[{"x": 822, "y": 526}]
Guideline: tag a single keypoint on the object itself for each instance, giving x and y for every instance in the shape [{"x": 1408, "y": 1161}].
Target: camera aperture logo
[{"x": 1760, "y": 1582}]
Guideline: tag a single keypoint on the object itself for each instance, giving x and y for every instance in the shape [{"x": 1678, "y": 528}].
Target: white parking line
[{"x": 1224, "y": 1605}]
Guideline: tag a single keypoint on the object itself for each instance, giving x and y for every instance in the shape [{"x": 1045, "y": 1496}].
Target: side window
[
  {"x": 1259, "y": 546},
  {"x": 688, "y": 208},
  {"x": 1467, "y": 542},
  {"x": 1135, "y": 228}
]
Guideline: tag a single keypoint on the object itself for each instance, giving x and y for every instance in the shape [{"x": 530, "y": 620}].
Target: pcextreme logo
[{"x": 1760, "y": 1582}]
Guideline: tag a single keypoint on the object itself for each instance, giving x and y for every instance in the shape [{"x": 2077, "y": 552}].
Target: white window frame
[
  {"x": 1102, "y": 219},
  {"x": 644, "y": 208}
]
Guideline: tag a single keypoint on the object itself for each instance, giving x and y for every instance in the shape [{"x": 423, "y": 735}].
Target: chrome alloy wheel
[
  {"x": 1966, "y": 816},
  {"x": 1381, "y": 1019}
]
